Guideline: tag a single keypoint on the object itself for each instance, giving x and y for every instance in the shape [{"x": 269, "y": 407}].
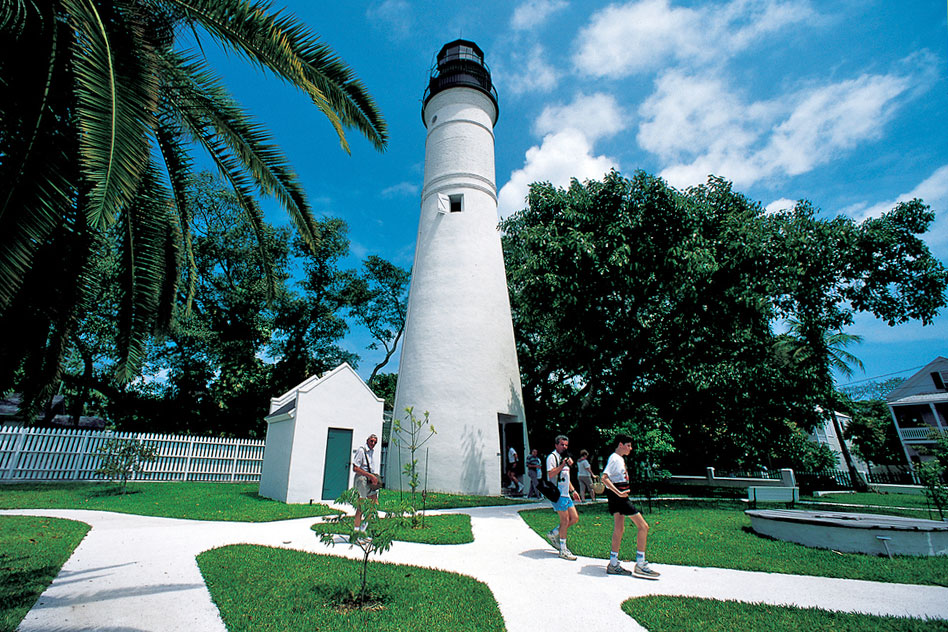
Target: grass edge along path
[
  {"x": 718, "y": 534},
  {"x": 264, "y": 588},
  {"x": 32, "y": 552},
  {"x": 186, "y": 500},
  {"x": 440, "y": 529},
  {"x": 198, "y": 501},
  {"x": 689, "y": 614}
]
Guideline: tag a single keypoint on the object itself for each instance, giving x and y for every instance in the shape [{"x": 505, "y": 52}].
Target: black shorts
[{"x": 620, "y": 505}]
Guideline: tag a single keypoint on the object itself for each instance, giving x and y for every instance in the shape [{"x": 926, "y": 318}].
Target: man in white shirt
[
  {"x": 366, "y": 480},
  {"x": 557, "y": 470},
  {"x": 616, "y": 479},
  {"x": 512, "y": 459}
]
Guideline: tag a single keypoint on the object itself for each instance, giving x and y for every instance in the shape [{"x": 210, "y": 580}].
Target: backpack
[{"x": 548, "y": 488}]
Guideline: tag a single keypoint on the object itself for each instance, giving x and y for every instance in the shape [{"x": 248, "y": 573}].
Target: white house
[
  {"x": 826, "y": 434},
  {"x": 312, "y": 432},
  {"x": 919, "y": 407}
]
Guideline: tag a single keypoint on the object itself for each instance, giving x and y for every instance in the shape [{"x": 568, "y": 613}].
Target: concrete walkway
[{"x": 138, "y": 573}]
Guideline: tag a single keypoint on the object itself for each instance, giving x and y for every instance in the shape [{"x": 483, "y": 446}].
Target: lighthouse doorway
[{"x": 510, "y": 429}]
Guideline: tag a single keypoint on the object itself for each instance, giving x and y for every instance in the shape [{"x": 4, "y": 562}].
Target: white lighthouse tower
[{"x": 458, "y": 360}]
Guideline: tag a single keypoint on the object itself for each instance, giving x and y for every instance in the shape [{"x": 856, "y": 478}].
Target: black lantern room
[{"x": 460, "y": 64}]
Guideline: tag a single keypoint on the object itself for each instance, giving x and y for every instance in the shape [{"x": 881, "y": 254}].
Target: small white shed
[{"x": 312, "y": 432}]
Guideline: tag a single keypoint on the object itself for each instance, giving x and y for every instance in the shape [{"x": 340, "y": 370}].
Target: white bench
[{"x": 787, "y": 495}]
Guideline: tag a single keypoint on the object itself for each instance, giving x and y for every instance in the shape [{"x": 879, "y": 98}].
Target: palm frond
[
  {"x": 198, "y": 90},
  {"x": 36, "y": 174},
  {"x": 232, "y": 170},
  {"x": 147, "y": 226},
  {"x": 109, "y": 113},
  {"x": 169, "y": 138},
  {"x": 283, "y": 45}
]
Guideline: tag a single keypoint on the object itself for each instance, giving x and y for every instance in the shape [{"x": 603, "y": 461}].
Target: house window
[
  {"x": 456, "y": 203},
  {"x": 939, "y": 380}
]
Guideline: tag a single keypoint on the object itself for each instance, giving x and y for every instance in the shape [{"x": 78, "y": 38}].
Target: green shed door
[{"x": 338, "y": 463}]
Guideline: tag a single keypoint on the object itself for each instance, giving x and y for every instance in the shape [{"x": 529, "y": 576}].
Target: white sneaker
[
  {"x": 566, "y": 555},
  {"x": 617, "y": 569},
  {"x": 645, "y": 571},
  {"x": 554, "y": 539}
]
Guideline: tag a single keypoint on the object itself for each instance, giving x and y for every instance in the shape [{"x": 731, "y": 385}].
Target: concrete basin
[{"x": 853, "y": 532}]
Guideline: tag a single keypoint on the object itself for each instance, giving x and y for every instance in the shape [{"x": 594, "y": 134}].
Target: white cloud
[
  {"x": 394, "y": 15},
  {"x": 596, "y": 116},
  {"x": 783, "y": 204},
  {"x": 400, "y": 189},
  {"x": 563, "y": 155},
  {"x": 698, "y": 126},
  {"x": 566, "y": 151},
  {"x": 533, "y": 13},
  {"x": 528, "y": 72},
  {"x": 934, "y": 192},
  {"x": 833, "y": 118},
  {"x": 635, "y": 37}
]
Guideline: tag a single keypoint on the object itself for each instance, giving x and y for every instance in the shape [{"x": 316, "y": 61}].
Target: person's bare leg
[
  {"x": 617, "y": 530},
  {"x": 641, "y": 536}
]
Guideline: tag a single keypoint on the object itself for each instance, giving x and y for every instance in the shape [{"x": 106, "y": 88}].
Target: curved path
[{"x": 138, "y": 573}]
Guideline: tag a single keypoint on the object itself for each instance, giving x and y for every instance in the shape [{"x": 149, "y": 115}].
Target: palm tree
[
  {"x": 97, "y": 131},
  {"x": 822, "y": 351}
]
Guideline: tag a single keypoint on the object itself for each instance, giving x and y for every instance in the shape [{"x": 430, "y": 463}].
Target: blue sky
[{"x": 841, "y": 103}]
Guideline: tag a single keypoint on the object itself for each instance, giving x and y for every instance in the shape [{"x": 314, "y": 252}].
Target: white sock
[
  {"x": 562, "y": 544},
  {"x": 614, "y": 558},
  {"x": 640, "y": 557}
]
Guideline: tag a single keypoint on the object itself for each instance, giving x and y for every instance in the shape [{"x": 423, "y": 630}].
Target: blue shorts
[{"x": 564, "y": 503}]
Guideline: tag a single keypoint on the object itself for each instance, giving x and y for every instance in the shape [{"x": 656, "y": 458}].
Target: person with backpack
[
  {"x": 557, "y": 471},
  {"x": 616, "y": 479}
]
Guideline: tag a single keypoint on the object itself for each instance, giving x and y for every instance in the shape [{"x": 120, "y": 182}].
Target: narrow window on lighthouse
[{"x": 456, "y": 203}]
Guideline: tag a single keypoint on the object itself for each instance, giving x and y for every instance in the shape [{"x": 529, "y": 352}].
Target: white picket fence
[{"x": 59, "y": 454}]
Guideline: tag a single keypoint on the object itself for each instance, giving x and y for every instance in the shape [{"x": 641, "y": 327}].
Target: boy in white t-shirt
[{"x": 616, "y": 479}]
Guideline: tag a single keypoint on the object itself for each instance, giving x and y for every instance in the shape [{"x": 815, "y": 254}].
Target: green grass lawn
[
  {"x": 446, "y": 529},
  {"x": 32, "y": 550},
  {"x": 262, "y": 589},
  {"x": 718, "y": 534},
  {"x": 682, "y": 614},
  {"x": 873, "y": 499},
  {"x": 390, "y": 499},
  {"x": 196, "y": 501}
]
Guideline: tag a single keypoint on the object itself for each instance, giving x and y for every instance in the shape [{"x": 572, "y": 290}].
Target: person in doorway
[
  {"x": 515, "y": 486},
  {"x": 366, "y": 479},
  {"x": 534, "y": 470},
  {"x": 584, "y": 474},
  {"x": 557, "y": 470},
  {"x": 616, "y": 479}
]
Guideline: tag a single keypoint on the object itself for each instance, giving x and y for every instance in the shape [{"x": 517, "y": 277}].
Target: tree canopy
[{"x": 641, "y": 308}]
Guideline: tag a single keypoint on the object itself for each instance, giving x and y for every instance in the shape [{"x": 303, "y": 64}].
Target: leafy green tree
[
  {"x": 872, "y": 433},
  {"x": 107, "y": 111},
  {"x": 932, "y": 473},
  {"x": 379, "y": 301},
  {"x": 632, "y": 300},
  {"x": 383, "y": 385},
  {"x": 121, "y": 459}
]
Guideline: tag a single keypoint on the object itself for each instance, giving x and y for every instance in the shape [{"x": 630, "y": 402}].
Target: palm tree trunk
[{"x": 855, "y": 477}]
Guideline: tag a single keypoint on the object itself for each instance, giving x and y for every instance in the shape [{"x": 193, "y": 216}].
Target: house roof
[
  {"x": 927, "y": 398},
  {"x": 280, "y": 403},
  {"x": 286, "y": 409},
  {"x": 921, "y": 384}
]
